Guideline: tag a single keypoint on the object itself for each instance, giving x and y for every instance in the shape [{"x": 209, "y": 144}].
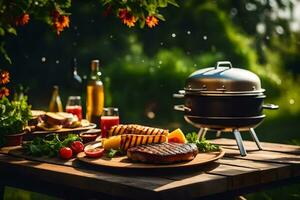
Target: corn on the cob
[
  {"x": 131, "y": 140},
  {"x": 112, "y": 142},
  {"x": 135, "y": 129}
]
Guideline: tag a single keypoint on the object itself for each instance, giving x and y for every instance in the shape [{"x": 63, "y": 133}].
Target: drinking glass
[
  {"x": 74, "y": 106},
  {"x": 109, "y": 118}
]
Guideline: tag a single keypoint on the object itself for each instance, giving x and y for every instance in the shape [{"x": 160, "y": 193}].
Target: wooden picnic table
[{"x": 275, "y": 165}]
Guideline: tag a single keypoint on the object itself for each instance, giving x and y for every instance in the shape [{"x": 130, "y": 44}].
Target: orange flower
[
  {"x": 4, "y": 77},
  {"x": 4, "y": 92},
  {"x": 60, "y": 22},
  {"x": 23, "y": 19},
  {"x": 151, "y": 21},
  {"x": 130, "y": 21},
  {"x": 127, "y": 18}
]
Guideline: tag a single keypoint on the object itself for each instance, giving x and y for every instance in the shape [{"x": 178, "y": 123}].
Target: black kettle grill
[{"x": 224, "y": 98}]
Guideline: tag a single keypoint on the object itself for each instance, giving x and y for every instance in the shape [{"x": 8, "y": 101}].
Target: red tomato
[
  {"x": 94, "y": 153},
  {"x": 77, "y": 146},
  {"x": 65, "y": 152}
]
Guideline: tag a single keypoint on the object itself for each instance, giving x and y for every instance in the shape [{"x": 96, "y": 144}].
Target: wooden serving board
[{"x": 122, "y": 162}]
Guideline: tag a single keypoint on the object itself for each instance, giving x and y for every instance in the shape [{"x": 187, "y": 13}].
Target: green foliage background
[{"x": 142, "y": 68}]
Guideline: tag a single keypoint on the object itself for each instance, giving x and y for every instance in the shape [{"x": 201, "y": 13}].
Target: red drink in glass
[
  {"x": 75, "y": 110},
  {"x": 107, "y": 122}
]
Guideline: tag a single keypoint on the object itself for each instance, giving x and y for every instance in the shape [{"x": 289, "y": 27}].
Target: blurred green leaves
[
  {"x": 4, "y": 54},
  {"x": 48, "y": 11}
]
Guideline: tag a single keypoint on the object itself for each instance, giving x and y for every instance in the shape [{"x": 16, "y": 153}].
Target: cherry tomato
[
  {"x": 65, "y": 152},
  {"x": 77, "y": 146},
  {"x": 94, "y": 153}
]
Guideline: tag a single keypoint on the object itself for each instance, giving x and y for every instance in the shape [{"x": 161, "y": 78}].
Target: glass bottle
[
  {"x": 55, "y": 102},
  {"x": 74, "y": 80},
  {"x": 94, "y": 94}
]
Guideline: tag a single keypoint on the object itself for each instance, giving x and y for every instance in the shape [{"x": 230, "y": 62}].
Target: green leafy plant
[
  {"x": 48, "y": 146},
  {"x": 14, "y": 115},
  {"x": 203, "y": 145}
]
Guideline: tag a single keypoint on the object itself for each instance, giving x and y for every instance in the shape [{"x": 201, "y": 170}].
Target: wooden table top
[{"x": 277, "y": 162}]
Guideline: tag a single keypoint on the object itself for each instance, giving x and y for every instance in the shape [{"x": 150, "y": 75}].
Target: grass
[
  {"x": 11, "y": 193},
  {"x": 291, "y": 192}
]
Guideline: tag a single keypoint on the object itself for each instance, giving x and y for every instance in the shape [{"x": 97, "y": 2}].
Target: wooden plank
[
  {"x": 264, "y": 156},
  {"x": 251, "y": 146},
  {"x": 59, "y": 161},
  {"x": 5, "y": 150},
  {"x": 183, "y": 174},
  {"x": 17, "y": 152},
  {"x": 269, "y": 172},
  {"x": 112, "y": 184},
  {"x": 238, "y": 177},
  {"x": 286, "y": 154},
  {"x": 124, "y": 185},
  {"x": 266, "y": 162},
  {"x": 195, "y": 186}
]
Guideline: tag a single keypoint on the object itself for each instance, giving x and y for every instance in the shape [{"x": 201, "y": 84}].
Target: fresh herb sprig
[
  {"x": 113, "y": 152},
  {"x": 49, "y": 145},
  {"x": 203, "y": 145}
]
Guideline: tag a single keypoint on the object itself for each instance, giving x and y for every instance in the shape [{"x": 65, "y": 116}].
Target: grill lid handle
[
  {"x": 270, "y": 106},
  {"x": 182, "y": 108},
  {"x": 224, "y": 64}
]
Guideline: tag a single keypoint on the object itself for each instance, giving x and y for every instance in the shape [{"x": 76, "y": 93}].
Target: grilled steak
[{"x": 164, "y": 153}]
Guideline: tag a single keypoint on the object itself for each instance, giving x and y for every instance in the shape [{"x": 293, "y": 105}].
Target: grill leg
[
  {"x": 239, "y": 142},
  {"x": 201, "y": 133},
  {"x": 255, "y": 138}
]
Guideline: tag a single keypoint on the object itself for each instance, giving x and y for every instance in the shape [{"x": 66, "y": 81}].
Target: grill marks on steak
[
  {"x": 164, "y": 150},
  {"x": 164, "y": 153}
]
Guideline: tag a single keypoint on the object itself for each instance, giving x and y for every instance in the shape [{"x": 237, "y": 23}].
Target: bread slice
[
  {"x": 36, "y": 117},
  {"x": 37, "y": 113},
  {"x": 52, "y": 118},
  {"x": 71, "y": 120},
  {"x": 67, "y": 116}
]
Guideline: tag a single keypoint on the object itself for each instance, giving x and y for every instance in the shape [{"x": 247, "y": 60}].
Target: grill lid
[{"x": 223, "y": 78}]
